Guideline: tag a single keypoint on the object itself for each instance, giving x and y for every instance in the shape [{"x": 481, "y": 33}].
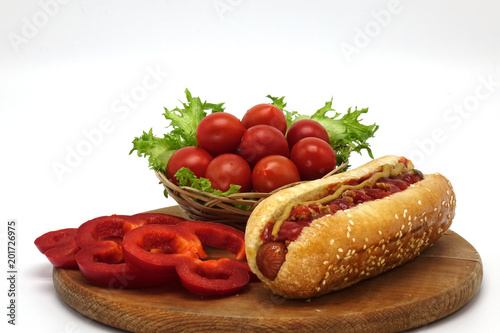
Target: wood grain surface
[{"x": 437, "y": 283}]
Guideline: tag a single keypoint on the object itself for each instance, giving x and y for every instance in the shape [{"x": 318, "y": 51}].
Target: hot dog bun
[{"x": 341, "y": 249}]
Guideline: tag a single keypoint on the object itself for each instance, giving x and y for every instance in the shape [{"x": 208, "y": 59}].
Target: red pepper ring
[
  {"x": 158, "y": 248},
  {"x": 155, "y": 218},
  {"x": 59, "y": 247},
  {"x": 218, "y": 235},
  {"x": 104, "y": 228},
  {"x": 212, "y": 277},
  {"x": 114, "y": 227},
  {"x": 54, "y": 238},
  {"x": 102, "y": 266}
]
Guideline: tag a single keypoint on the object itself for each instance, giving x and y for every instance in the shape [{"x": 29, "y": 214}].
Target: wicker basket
[{"x": 200, "y": 205}]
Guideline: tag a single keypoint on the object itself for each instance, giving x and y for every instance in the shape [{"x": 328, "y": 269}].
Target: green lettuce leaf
[
  {"x": 347, "y": 133},
  {"x": 182, "y": 132},
  {"x": 187, "y": 178},
  {"x": 185, "y": 121},
  {"x": 157, "y": 150}
]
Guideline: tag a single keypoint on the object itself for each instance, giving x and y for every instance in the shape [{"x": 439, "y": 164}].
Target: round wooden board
[{"x": 437, "y": 283}]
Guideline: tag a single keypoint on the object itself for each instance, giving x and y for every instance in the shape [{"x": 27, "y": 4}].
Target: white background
[{"x": 75, "y": 76}]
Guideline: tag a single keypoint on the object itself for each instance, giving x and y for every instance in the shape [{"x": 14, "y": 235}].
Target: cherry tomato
[
  {"x": 194, "y": 158},
  {"x": 313, "y": 157},
  {"x": 227, "y": 169},
  {"x": 263, "y": 140},
  {"x": 305, "y": 128},
  {"x": 219, "y": 133},
  {"x": 272, "y": 172},
  {"x": 265, "y": 114}
]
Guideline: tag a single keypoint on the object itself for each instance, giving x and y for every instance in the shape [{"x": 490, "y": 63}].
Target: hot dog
[{"x": 328, "y": 234}]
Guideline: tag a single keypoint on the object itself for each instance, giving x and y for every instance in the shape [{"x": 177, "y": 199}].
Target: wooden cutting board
[{"x": 437, "y": 283}]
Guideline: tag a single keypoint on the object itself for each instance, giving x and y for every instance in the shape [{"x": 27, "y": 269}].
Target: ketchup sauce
[{"x": 301, "y": 216}]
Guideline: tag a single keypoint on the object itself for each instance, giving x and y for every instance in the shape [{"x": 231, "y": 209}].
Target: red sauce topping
[{"x": 301, "y": 216}]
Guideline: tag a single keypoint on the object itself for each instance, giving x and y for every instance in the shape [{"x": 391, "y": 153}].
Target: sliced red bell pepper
[
  {"x": 114, "y": 227},
  {"x": 151, "y": 249},
  {"x": 212, "y": 277},
  {"x": 158, "y": 248},
  {"x": 218, "y": 235},
  {"x": 155, "y": 218},
  {"x": 164, "y": 249},
  {"x": 101, "y": 260},
  {"x": 59, "y": 247},
  {"x": 102, "y": 265},
  {"x": 223, "y": 237},
  {"x": 104, "y": 228}
]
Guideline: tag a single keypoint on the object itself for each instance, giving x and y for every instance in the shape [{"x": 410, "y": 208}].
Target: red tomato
[
  {"x": 265, "y": 114},
  {"x": 263, "y": 140},
  {"x": 313, "y": 157},
  {"x": 219, "y": 133},
  {"x": 272, "y": 172},
  {"x": 227, "y": 169},
  {"x": 194, "y": 158},
  {"x": 306, "y": 128}
]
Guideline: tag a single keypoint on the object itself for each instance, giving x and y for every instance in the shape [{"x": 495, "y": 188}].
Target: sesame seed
[
  {"x": 348, "y": 234},
  {"x": 420, "y": 202},
  {"x": 340, "y": 249},
  {"x": 354, "y": 240},
  {"x": 349, "y": 215},
  {"x": 351, "y": 222},
  {"x": 402, "y": 227},
  {"x": 380, "y": 232},
  {"x": 396, "y": 216},
  {"x": 325, "y": 262},
  {"x": 332, "y": 241},
  {"x": 349, "y": 228}
]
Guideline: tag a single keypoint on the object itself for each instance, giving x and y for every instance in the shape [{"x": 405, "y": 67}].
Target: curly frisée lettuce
[
  {"x": 346, "y": 134},
  {"x": 182, "y": 132},
  {"x": 187, "y": 178}
]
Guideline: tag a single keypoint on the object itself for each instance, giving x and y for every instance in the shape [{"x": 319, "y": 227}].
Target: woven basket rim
[
  {"x": 228, "y": 209},
  {"x": 239, "y": 195}
]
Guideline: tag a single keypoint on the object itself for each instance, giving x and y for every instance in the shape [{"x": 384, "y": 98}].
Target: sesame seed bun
[{"x": 339, "y": 250}]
